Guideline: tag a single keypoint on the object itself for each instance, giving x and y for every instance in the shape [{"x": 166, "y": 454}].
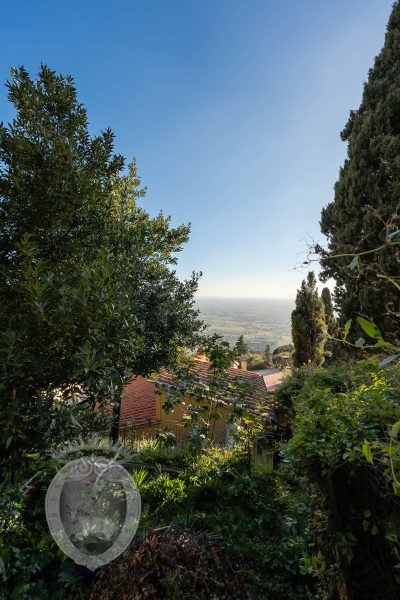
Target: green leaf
[
  {"x": 354, "y": 263},
  {"x": 370, "y": 328},
  {"x": 360, "y": 342},
  {"x": 366, "y": 450},
  {"x": 347, "y": 328},
  {"x": 74, "y": 421},
  {"x": 383, "y": 344},
  {"x": 395, "y": 430}
]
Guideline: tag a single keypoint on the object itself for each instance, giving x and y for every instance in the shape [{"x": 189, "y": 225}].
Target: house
[
  {"x": 138, "y": 404},
  {"x": 272, "y": 378},
  {"x": 257, "y": 394},
  {"x": 283, "y": 359},
  {"x": 143, "y": 400}
]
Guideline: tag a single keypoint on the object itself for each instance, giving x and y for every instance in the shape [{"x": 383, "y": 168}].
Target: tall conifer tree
[
  {"x": 268, "y": 356},
  {"x": 367, "y": 194},
  {"x": 329, "y": 314},
  {"x": 308, "y": 324},
  {"x": 241, "y": 346}
]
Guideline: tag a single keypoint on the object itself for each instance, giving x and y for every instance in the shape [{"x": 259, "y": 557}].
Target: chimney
[
  {"x": 201, "y": 355},
  {"x": 243, "y": 364}
]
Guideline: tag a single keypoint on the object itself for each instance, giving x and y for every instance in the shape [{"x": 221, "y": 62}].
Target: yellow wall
[{"x": 172, "y": 419}]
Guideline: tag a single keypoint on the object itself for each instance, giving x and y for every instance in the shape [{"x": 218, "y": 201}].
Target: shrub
[
  {"x": 341, "y": 444},
  {"x": 263, "y": 521},
  {"x": 31, "y": 565}
]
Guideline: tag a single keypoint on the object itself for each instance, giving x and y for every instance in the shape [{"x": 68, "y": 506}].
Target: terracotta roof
[
  {"x": 138, "y": 402},
  {"x": 166, "y": 378}
]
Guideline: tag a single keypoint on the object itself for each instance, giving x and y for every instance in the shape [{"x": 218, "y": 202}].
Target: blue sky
[{"x": 232, "y": 108}]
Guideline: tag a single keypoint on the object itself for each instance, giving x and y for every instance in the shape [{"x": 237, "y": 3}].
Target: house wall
[
  {"x": 173, "y": 419},
  {"x": 142, "y": 413}
]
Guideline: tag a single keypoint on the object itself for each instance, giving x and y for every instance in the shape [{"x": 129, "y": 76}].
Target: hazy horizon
[{"x": 243, "y": 297}]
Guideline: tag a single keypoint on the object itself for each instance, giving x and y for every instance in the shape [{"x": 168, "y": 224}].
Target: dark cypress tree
[
  {"x": 367, "y": 194},
  {"x": 308, "y": 324},
  {"x": 329, "y": 314},
  {"x": 268, "y": 356},
  {"x": 241, "y": 346}
]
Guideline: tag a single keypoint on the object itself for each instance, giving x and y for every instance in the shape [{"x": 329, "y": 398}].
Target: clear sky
[{"x": 232, "y": 108}]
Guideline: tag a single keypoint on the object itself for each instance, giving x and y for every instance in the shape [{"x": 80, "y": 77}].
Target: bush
[
  {"x": 331, "y": 426},
  {"x": 263, "y": 520},
  {"x": 342, "y": 444},
  {"x": 31, "y": 564}
]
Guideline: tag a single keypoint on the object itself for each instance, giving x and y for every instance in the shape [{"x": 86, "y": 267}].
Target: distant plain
[{"x": 260, "y": 321}]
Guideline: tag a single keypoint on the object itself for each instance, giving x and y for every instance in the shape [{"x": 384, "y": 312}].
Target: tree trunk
[{"x": 116, "y": 413}]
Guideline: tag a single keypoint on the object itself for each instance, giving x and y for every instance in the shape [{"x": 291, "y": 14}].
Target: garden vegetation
[{"x": 90, "y": 297}]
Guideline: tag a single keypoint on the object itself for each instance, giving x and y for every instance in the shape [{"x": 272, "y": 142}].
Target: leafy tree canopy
[
  {"x": 282, "y": 349},
  {"x": 88, "y": 294}
]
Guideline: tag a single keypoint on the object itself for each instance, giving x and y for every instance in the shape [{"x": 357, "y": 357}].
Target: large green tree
[
  {"x": 88, "y": 294},
  {"x": 367, "y": 195},
  {"x": 308, "y": 324}
]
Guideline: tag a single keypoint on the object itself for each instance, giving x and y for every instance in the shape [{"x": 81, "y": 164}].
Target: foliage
[
  {"x": 171, "y": 562},
  {"x": 263, "y": 519},
  {"x": 291, "y": 386},
  {"x": 203, "y": 398},
  {"x": 283, "y": 349},
  {"x": 363, "y": 216},
  {"x": 342, "y": 443},
  {"x": 333, "y": 349},
  {"x": 151, "y": 451},
  {"x": 166, "y": 438},
  {"x": 31, "y": 565},
  {"x": 300, "y": 383},
  {"x": 345, "y": 420},
  {"x": 308, "y": 325},
  {"x": 329, "y": 313},
  {"x": 255, "y": 361},
  {"x": 56, "y": 344},
  {"x": 241, "y": 346},
  {"x": 268, "y": 357},
  {"x": 87, "y": 293},
  {"x": 258, "y": 361}
]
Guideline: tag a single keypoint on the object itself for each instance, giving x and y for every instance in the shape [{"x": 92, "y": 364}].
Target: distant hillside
[{"x": 260, "y": 321}]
